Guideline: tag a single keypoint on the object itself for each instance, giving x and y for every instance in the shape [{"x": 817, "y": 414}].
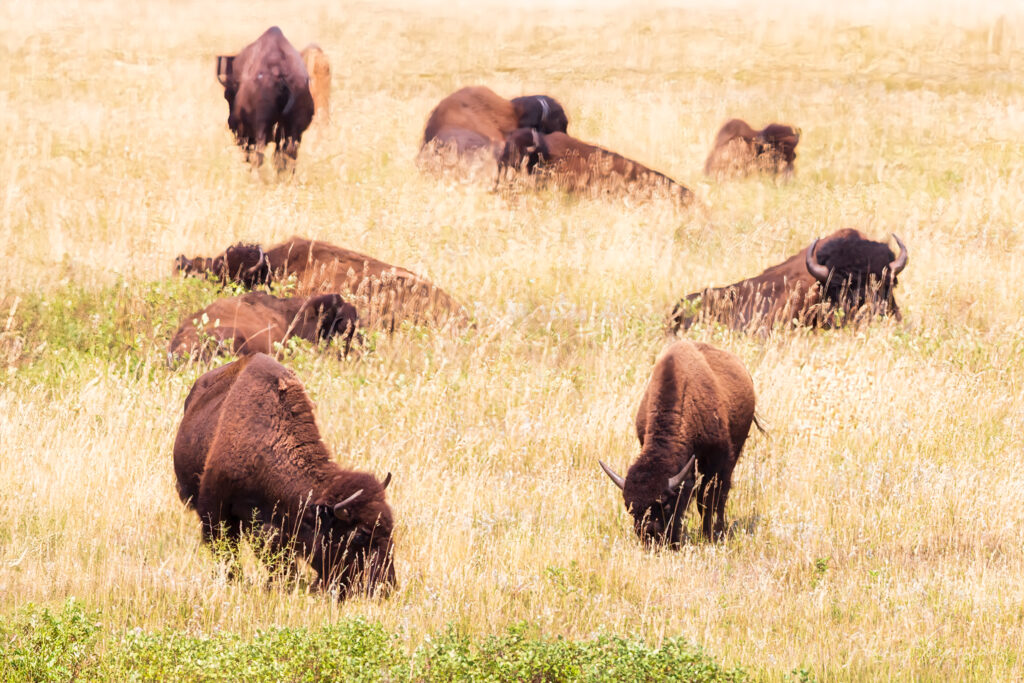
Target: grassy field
[{"x": 876, "y": 529}]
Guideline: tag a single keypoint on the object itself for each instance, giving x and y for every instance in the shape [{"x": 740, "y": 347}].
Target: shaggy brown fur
[
  {"x": 267, "y": 89},
  {"x": 476, "y": 119},
  {"x": 699, "y": 403},
  {"x": 579, "y": 166},
  {"x": 383, "y": 293},
  {"x": 739, "y": 150},
  {"x": 857, "y": 278},
  {"x": 265, "y": 468},
  {"x": 255, "y": 322},
  {"x": 319, "y": 69}
]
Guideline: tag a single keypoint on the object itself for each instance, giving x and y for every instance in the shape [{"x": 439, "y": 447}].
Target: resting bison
[
  {"x": 267, "y": 89},
  {"x": 476, "y": 119},
  {"x": 577, "y": 166},
  {"x": 255, "y": 322},
  {"x": 319, "y": 70},
  {"x": 384, "y": 293},
  {"x": 834, "y": 280},
  {"x": 248, "y": 452},
  {"x": 697, "y": 410},
  {"x": 739, "y": 149}
]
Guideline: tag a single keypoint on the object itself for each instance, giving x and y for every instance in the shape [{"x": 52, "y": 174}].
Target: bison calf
[
  {"x": 693, "y": 419},
  {"x": 319, "y": 69},
  {"x": 739, "y": 149},
  {"x": 249, "y": 455},
  {"x": 577, "y": 166},
  {"x": 257, "y": 322}
]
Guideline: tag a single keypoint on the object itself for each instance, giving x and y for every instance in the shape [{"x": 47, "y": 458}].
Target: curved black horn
[
  {"x": 338, "y": 507},
  {"x": 901, "y": 261},
  {"x": 290, "y": 103},
  {"x": 819, "y": 271},
  {"x": 263, "y": 259},
  {"x": 674, "y": 482},
  {"x": 619, "y": 481},
  {"x": 387, "y": 480}
]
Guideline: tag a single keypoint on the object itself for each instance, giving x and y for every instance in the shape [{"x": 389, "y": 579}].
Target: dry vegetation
[{"x": 877, "y": 530}]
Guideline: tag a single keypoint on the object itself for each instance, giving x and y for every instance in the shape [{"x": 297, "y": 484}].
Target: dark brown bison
[
  {"x": 319, "y": 69},
  {"x": 693, "y": 420},
  {"x": 842, "y": 277},
  {"x": 476, "y": 119},
  {"x": 257, "y": 322},
  {"x": 248, "y": 456},
  {"x": 382, "y": 292},
  {"x": 579, "y": 166},
  {"x": 739, "y": 149},
  {"x": 267, "y": 89}
]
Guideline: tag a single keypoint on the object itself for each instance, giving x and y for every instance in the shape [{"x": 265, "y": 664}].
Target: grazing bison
[
  {"x": 836, "y": 279},
  {"x": 693, "y": 419},
  {"x": 739, "y": 149},
  {"x": 255, "y": 322},
  {"x": 248, "y": 456},
  {"x": 577, "y": 166},
  {"x": 319, "y": 70},
  {"x": 476, "y": 119},
  {"x": 267, "y": 89},
  {"x": 384, "y": 293}
]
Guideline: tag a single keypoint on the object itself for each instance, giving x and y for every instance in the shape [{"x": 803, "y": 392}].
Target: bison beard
[
  {"x": 693, "y": 420},
  {"x": 248, "y": 454},
  {"x": 267, "y": 89}
]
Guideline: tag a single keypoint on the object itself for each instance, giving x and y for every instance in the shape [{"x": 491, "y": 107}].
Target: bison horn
[
  {"x": 819, "y": 271},
  {"x": 387, "y": 480},
  {"x": 674, "y": 482},
  {"x": 901, "y": 261},
  {"x": 618, "y": 481},
  {"x": 263, "y": 259},
  {"x": 290, "y": 103},
  {"x": 339, "y": 507}
]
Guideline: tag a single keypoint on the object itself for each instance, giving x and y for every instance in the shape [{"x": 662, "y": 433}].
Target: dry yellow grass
[{"x": 877, "y": 529}]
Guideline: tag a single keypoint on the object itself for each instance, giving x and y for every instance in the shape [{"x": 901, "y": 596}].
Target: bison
[
  {"x": 739, "y": 149},
  {"x": 248, "y": 457},
  {"x": 384, "y": 293},
  {"x": 837, "y": 279},
  {"x": 693, "y": 420},
  {"x": 267, "y": 89},
  {"x": 256, "y": 322},
  {"x": 577, "y": 166},
  {"x": 476, "y": 119},
  {"x": 319, "y": 70}
]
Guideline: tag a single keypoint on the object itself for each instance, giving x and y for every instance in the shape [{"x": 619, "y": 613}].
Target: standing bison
[
  {"x": 843, "y": 277},
  {"x": 248, "y": 456},
  {"x": 383, "y": 293},
  {"x": 319, "y": 69},
  {"x": 693, "y": 419},
  {"x": 257, "y": 322},
  {"x": 578, "y": 166},
  {"x": 739, "y": 150},
  {"x": 267, "y": 89},
  {"x": 476, "y": 120}
]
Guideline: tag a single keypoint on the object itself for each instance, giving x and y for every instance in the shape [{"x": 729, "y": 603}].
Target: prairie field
[{"x": 875, "y": 530}]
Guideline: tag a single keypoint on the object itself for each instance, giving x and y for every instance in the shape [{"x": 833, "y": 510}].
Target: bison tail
[{"x": 757, "y": 423}]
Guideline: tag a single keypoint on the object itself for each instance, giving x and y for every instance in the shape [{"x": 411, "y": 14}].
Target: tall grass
[{"x": 876, "y": 529}]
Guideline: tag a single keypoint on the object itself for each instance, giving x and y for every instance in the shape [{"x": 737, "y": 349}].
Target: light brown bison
[
  {"x": 578, "y": 166},
  {"x": 739, "y": 149},
  {"x": 693, "y": 420},
  {"x": 843, "y": 277},
  {"x": 249, "y": 457},
  {"x": 383, "y": 293},
  {"x": 319, "y": 69},
  {"x": 267, "y": 89},
  {"x": 257, "y": 322},
  {"x": 476, "y": 119}
]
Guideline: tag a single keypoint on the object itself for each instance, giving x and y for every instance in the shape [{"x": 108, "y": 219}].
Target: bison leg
[
  {"x": 286, "y": 153},
  {"x": 714, "y": 491}
]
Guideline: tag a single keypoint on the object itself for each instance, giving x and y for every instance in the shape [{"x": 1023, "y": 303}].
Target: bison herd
[{"x": 248, "y": 455}]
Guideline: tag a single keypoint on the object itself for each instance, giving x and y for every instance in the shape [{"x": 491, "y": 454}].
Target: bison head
[
  {"x": 523, "y": 145},
  {"x": 540, "y": 112},
  {"x": 855, "y": 275},
  {"x": 346, "y": 534},
  {"x": 322, "y": 317},
  {"x": 243, "y": 263},
  {"x": 657, "y": 503},
  {"x": 779, "y": 143}
]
